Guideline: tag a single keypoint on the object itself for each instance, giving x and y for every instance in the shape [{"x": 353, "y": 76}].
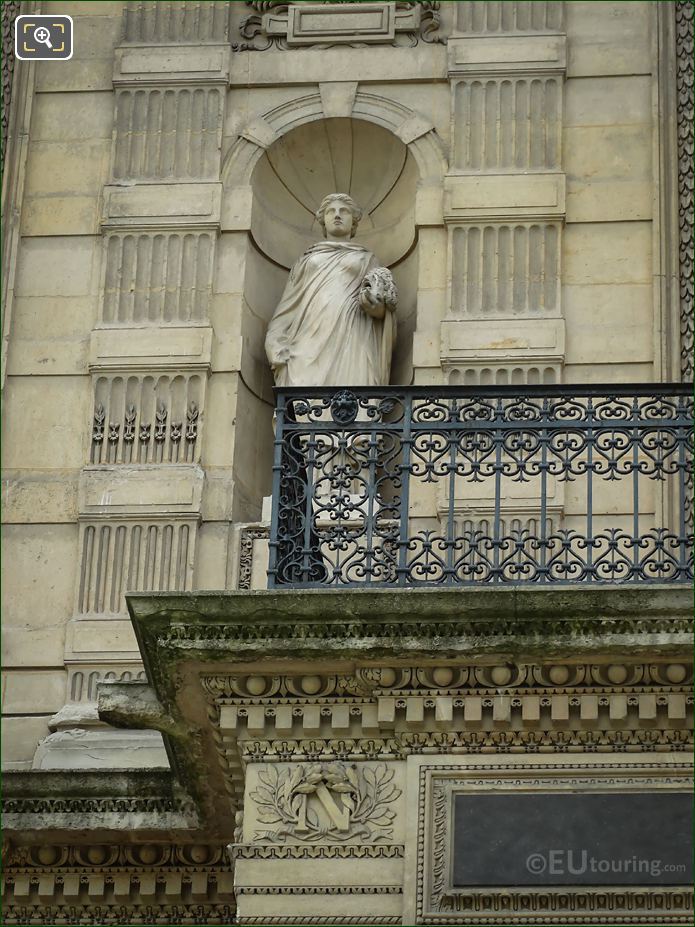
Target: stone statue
[{"x": 335, "y": 324}]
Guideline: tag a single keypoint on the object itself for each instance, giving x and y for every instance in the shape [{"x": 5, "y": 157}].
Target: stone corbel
[{"x": 135, "y": 705}]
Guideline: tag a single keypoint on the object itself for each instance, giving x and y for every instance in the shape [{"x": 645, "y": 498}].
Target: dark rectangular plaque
[{"x": 572, "y": 838}]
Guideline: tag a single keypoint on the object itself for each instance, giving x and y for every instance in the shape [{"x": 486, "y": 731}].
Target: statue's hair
[{"x": 343, "y": 198}]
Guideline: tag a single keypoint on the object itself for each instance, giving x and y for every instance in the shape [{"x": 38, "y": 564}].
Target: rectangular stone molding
[
  {"x": 515, "y": 352},
  {"x": 202, "y": 64},
  {"x": 364, "y": 22},
  {"x": 147, "y": 418},
  {"x": 140, "y": 490},
  {"x": 503, "y": 195},
  {"x": 502, "y": 54},
  {"x": 431, "y": 893},
  {"x": 168, "y": 132},
  {"x": 505, "y": 269},
  {"x": 151, "y": 347},
  {"x": 506, "y": 16},
  {"x": 148, "y": 205},
  {"x": 507, "y": 123},
  {"x": 154, "y": 22},
  {"x": 157, "y": 277}
]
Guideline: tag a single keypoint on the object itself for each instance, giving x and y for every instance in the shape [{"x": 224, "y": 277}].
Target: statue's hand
[
  {"x": 371, "y": 303},
  {"x": 378, "y": 293},
  {"x": 280, "y": 359}
]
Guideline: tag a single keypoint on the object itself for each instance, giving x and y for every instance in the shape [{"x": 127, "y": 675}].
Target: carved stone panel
[
  {"x": 296, "y": 25},
  {"x": 439, "y": 897},
  {"x": 335, "y": 802}
]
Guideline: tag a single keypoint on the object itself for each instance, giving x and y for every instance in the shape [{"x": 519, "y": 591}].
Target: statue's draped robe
[{"x": 330, "y": 339}]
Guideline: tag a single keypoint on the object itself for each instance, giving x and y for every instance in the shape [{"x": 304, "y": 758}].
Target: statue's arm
[{"x": 277, "y": 346}]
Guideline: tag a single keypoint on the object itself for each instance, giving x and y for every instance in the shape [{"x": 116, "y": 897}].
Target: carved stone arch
[{"x": 414, "y": 130}]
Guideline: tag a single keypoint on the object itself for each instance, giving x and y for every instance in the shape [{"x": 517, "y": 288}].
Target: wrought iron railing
[{"x": 411, "y": 486}]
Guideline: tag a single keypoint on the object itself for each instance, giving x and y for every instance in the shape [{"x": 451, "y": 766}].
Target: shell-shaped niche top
[{"x": 342, "y": 156}]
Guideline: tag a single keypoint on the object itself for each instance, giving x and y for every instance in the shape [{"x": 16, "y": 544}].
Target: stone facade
[{"x": 525, "y": 173}]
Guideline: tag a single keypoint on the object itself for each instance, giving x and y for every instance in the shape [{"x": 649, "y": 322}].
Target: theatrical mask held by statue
[{"x": 335, "y": 323}]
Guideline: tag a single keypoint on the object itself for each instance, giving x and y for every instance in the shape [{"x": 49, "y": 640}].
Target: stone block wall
[{"x": 522, "y": 152}]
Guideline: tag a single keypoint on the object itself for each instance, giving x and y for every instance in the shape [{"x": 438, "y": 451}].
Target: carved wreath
[{"x": 355, "y": 802}]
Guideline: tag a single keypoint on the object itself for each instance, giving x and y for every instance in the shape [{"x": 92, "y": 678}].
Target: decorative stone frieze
[
  {"x": 506, "y": 270},
  {"x": 503, "y": 16},
  {"x": 508, "y": 123},
  {"x": 684, "y": 81},
  {"x": 171, "y": 132},
  {"x": 9, "y": 13},
  {"x": 120, "y": 555},
  {"x": 148, "y": 23},
  {"x": 117, "y": 884},
  {"x": 157, "y": 278},
  {"x": 141, "y": 419}
]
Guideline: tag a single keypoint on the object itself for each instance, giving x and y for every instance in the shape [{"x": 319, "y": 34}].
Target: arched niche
[
  {"x": 334, "y": 155},
  {"x": 275, "y": 174}
]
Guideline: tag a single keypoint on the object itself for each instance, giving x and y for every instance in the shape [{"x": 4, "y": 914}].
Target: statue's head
[{"x": 334, "y": 214}]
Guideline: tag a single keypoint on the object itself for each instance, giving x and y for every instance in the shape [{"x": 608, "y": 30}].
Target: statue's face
[{"x": 338, "y": 220}]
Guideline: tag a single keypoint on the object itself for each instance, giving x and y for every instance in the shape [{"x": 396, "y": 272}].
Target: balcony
[{"x": 465, "y": 486}]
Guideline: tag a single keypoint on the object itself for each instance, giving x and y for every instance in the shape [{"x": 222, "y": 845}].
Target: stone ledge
[
  {"x": 531, "y": 195},
  {"x": 504, "y": 53},
  {"x": 353, "y": 622},
  {"x": 162, "y": 205},
  {"x": 169, "y": 64},
  {"x": 44, "y": 805},
  {"x": 172, "y": 490},
  {"x": 148, "y": 347}
]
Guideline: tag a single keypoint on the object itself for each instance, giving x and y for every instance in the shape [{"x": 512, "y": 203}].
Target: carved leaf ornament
[{"x": 338, "y": 801}]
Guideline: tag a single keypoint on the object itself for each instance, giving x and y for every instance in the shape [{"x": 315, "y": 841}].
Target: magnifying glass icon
[{"x": 41, "y": 34}]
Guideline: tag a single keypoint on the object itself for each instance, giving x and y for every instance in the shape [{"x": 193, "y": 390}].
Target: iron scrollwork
[{"x": 601, "y": 471}]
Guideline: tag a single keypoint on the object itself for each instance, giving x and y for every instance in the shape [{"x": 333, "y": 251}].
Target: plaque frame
[{"x": 431, "y": 897}]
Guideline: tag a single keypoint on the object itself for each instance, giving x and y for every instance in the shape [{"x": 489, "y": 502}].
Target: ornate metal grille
[{"x": 458, "y": 486}]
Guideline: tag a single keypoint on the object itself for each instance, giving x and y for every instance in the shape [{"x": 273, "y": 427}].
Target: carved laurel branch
[{"x": 281, "y": 799}]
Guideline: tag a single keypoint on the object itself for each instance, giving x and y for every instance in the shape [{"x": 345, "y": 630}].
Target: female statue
[{"x": 334, "y": 325}]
